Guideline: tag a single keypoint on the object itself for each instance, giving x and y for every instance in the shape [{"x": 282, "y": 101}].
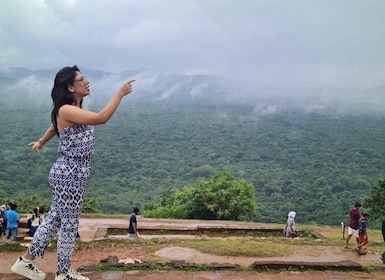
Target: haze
[{"x": 328, "y": 42}]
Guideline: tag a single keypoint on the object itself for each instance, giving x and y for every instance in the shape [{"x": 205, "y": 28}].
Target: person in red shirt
[{"x": 353, "y": 224}]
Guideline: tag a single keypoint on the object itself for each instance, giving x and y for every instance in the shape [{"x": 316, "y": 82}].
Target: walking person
[
  {"x": 290, "y": 225},
  {"x": 68, "y": 176},
  {"x": 133, "y": 226},
  {"x": 362, "y": 232},
  {"x": 353, "y": 224}
]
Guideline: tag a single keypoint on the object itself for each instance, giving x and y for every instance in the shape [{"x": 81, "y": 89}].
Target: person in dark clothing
[
  {"x": 383, "y": 229},
  {"x": 133, "y": 226},
  {"x": 353, "y": 224},
  {"x": 3, "y": 208}
]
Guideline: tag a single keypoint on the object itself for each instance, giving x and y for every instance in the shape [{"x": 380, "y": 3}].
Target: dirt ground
[{"x": 89, "y": 227}]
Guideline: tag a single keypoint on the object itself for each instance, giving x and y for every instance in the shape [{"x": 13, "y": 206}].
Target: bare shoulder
[
  {"x": 67, "y": 111},
  {"x": 68, "y": 108}
]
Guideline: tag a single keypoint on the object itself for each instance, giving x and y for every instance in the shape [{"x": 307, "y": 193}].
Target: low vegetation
[{"x": 246, "y": 246}]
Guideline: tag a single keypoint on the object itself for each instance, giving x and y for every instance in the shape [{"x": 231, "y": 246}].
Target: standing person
[
  {"x": 133, "y": 226},
  {"x": 12, "y": 222},
  {"x": 41, "y": 213},
  {"x": 69, "y": 174},
  {"x": 362, "y": 232},
  {"x": 2, "y": 225},
  {"x": 35, "y": 221},
  {"x": 353, "y": 224},
  {"x": 5, "y": 222},
  {"x": 290, "y": 225}
]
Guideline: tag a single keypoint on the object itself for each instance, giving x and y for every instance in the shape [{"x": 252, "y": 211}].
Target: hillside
[{"x": 315, "y": 163}]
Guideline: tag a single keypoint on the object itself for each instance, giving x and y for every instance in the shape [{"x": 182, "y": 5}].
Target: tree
[
  {"x": 26, "y": 203},
  {"x": 90, "y": 205},
  {"x": 220, "y": 198},
  {"x": 377, "y": 201}
]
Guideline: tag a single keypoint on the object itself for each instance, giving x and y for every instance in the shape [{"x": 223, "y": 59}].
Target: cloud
[
  {"x": 265, "y": 41},
  {"x": 171, "y": 91},
  {"x": 199, "y": 90}
]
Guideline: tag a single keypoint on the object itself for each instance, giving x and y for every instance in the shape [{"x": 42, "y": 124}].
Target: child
[{"x": 362, "y": 232}]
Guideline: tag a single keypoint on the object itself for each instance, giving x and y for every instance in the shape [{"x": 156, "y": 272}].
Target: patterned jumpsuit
[{"x": 67, "y": 178}]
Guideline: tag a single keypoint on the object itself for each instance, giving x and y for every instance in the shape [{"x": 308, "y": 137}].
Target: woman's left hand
[{"x": 36, "y": 146}]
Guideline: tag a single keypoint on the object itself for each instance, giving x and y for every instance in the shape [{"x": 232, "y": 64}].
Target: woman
[
  {"x": 34, "y": 220},
  {"x": 68, "y": 175},
  {"x": 290, "y": 225},
  {"x": 41, "y": 213}
]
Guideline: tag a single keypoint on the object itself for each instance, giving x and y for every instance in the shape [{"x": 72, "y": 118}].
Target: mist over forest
[
  {"x": 313, "y": 149},
  {"x": 176, "y": 89}
]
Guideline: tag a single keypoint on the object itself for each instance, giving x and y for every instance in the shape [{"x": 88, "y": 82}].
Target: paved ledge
[
  {"x": 113, "y": 262},
  {"x": 276, "y": 265},
  {"x": 218, "y": 275}
]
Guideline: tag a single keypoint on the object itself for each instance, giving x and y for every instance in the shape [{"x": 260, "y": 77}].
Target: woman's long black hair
[{"x": 60, "y": 93}]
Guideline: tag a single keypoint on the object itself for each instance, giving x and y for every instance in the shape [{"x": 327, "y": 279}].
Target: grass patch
[
  {"x": 221, "y": 247},
  {"x": 270, "y": 246},
  {"x": 267, "y": 233},
  {"x": 17, "y": 247},
  {"x": 162, "y": 267},
  {"x": 14, "y": 247}
]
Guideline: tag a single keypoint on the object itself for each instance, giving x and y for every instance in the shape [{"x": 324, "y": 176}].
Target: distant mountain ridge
[
  {"x": 151, "y": 87},
  {"x": 184, "y": 90}
]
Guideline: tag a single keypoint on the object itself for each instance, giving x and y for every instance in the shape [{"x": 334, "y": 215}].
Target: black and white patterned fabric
[{"x": 67, "y": 178}]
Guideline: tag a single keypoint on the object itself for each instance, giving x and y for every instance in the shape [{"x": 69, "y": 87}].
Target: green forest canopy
[{"x": 315, "y": 164}]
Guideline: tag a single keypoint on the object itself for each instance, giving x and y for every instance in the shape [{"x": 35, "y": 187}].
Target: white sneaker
[
  {"x": 70, "y": 275},
  {"x": 28, "y": 269}
]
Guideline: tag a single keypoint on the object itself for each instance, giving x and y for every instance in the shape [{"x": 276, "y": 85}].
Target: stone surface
[{"x": 89, "y": 231}]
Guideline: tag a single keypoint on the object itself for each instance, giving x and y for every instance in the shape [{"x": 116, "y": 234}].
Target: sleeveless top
[
  {"x": 77, "y": 141},
  {"x": 35, "y": 221}
]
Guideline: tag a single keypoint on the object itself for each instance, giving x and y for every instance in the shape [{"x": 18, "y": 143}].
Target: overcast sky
[{"x": 334, "y": 42}]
